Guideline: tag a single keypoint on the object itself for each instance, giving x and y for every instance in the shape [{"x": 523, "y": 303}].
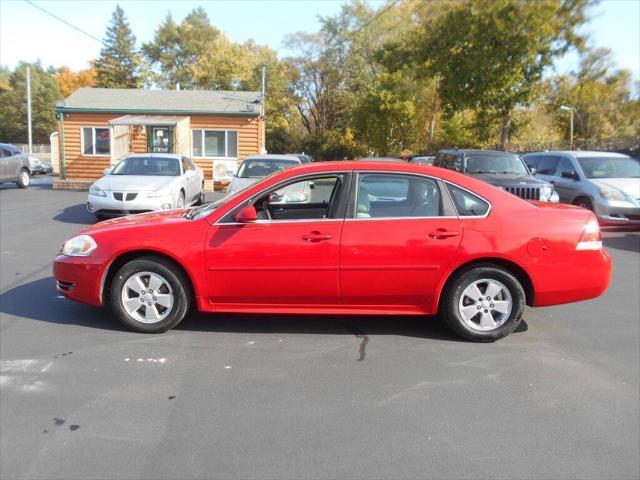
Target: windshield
[
  {"x": 610, "y": 167},
  {"x": 261, "y": 168},
  {"x": 498, "y": 163},
  {"x": 166, "y": 167}
]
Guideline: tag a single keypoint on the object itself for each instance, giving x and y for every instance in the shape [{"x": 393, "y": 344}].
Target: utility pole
[
  {"x": 570, "y": 109},
  {"x": 29, "y": 108},
  {"x": 262, "y": 114}
]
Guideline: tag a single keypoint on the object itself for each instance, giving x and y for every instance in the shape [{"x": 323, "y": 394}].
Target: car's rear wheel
[
  {"x": 150, "y": 295},
  {"x": 24, "y": 178},
  {"x": 200, "y": 199},
  {"x": 180, "y": 203},
  {"x": 484, "y": 304}
]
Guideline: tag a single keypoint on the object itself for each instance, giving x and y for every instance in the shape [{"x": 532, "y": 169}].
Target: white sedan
[{"x": 146, "y": 182}]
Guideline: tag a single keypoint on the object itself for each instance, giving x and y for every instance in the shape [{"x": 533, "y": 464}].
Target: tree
[
  {"x": 490, "y": 55},
  {"x": 69, "y": 81},
  {"x": 177, "y": 51},
  {"x": 118, "y": 65},
  {"x": 13, "y": 98}
]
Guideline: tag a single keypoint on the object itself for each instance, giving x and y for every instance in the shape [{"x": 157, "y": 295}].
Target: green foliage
[
  {"x": 119, "y": 62},
  {"x": 13, "y": 98}
]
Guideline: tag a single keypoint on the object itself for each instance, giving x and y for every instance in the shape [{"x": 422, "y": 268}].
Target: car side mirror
[
  {"x": 107, "y": 171},
  {"x": 533, "y": 171},
  {"x": 570, "y": 174},
  {"x": 247, "y": 214}
]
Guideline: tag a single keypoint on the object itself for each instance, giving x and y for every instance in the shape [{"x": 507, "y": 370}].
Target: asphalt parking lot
[{"x": 237, "y": 396}]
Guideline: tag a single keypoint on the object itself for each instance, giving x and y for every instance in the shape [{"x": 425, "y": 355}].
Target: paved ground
[{"x": 234, "y": 396}]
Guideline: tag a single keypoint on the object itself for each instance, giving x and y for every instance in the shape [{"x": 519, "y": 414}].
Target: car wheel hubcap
[
  {"x": 180, "y": 202},
  {"x": 25, "y": 178},
  {"x": 485, "y": 304},
  {"x": 147, "y": 297}
]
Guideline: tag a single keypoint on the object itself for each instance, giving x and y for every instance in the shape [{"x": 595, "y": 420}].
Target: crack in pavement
[{"x": 362, "y": 351}]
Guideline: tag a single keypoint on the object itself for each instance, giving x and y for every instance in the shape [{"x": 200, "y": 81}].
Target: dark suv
[{"x": 501, "y": 169}]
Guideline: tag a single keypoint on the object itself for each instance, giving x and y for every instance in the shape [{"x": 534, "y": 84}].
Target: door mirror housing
[
  {"x": 247, "y": 214},
  {"x": 533, "y": 171},
  {"x": 107, "y": 171},
  {"x": 570, "y": 174}
]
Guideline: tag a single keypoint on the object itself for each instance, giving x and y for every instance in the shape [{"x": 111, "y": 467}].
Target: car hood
[
  {"x": 509, "y": 180},
  {"x": 630, "y": 186},
  {"x": 238, "y": 183},
  {"x": 137, "y": 183},
  {"x": 140, "y": 219}
]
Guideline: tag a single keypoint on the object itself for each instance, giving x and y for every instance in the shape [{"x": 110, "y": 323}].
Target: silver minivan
[
  {"x": 604, "y": 182},
  {"x": 14, "y": 166}
]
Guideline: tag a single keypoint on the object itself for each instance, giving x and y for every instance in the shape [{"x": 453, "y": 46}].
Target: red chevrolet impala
[{"x": 343, "y": 238}]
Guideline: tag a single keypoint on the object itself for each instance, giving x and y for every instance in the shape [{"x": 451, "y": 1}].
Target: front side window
[
  {"x": 214, "y": 143},
  {"x": 547, "y": 165},
  {"x": 467, "y": 204},
  {"x": 95, "y": 141},
  {"x": 309, "y": 199},
  {"x": 381, "y": 195},
  {"x": 564, "y": 165}
]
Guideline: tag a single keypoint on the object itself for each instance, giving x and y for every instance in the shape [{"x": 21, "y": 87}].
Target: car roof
[
  {"x": 379, "y": 159},
  {"x": 476, "y": 151},
  {"x": 580, "y": 153},
  {"x": 155, "y": 155},
  {"x": 273, "y": 156}
]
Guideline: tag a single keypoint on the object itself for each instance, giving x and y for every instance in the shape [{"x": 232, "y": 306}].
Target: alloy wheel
[
  {"x": 147, "y": 297},
  {"x": 485, "y": 304}
]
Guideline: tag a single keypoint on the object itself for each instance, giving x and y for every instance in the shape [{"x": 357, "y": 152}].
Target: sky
[{"x": 29, "y": 34}]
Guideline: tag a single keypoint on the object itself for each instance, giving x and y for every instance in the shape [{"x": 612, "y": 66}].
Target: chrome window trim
[
  {"x": 462, "y": 217},
  {"x": 276, "y": 186}
]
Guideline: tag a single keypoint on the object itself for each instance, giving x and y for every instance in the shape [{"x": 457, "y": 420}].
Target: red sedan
[{"x": 343, "y": 238}]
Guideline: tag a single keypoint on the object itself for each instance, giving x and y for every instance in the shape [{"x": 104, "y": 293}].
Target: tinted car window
[
  {"x": 6, "y": 152},
  {"x": 467, "y": 204},
  {"x": 531, "y": 161},
  {"x": 382, "y": 195},
  {"x": 547, "y": 165},
  {"x": 564, "y": 165}
]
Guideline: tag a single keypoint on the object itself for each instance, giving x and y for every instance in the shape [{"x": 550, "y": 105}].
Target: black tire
[
  {"x": 100, "y": 217},
  {"x": 200, "y": 199},
  {"x": 173, "y": 276},
  {"x": 584, "y": 203},
  {"x": 451, "y": 301},
  {"x": 24, "y": 178}
]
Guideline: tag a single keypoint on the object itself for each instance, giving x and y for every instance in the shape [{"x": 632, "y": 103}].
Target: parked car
[
  {"x": 501, "y": 169},
  {"x": 423, "y": 160},
  {"x": 304, "y": 158},
  {"x": 255, "y": 167},
  {"x": 14, "y": 166},
  {"x": 38, "y": 167},
  {"x": 603, "y": 182},
  {"x": 146, "y": 182},
  {"x": 449, "y": 244}
]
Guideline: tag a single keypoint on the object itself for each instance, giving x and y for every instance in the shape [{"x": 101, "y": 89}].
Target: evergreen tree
[{"x": 119, "y": 62}]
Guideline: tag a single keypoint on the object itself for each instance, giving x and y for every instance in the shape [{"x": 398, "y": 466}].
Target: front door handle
[
  {"x": 316, "y": 236},
  {"x": 442, "y": 233}
]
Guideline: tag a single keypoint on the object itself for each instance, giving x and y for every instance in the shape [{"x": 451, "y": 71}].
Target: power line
[
  {"x": 64, "y": 21},
  {"x": 357, "y": 30}
]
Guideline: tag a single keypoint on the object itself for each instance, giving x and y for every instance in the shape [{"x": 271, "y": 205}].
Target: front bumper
[
  {"x": 80, "y": 278},
  {"x": 620, "y": 216},
  {"x": 109, "y": 206}
]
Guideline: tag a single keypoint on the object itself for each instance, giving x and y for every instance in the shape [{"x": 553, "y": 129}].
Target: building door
[{"x": 160, "y": 140}]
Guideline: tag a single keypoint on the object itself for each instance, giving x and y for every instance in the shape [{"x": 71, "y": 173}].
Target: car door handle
[
  {"x": 316, "y": 236},
  {"x": 441, "y": 233}
]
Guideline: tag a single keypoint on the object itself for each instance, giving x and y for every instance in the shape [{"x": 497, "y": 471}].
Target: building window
[
  {"x": 214, "y": 143},
  {"x": 95, "y": 141}
]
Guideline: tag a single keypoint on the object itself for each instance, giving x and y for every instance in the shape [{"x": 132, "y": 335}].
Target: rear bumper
[
  {"x": 79, "y": 278},
  {"x": 587, "y": 276}
]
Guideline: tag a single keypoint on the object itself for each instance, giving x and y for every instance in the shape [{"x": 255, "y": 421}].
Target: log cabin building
[{"x": 99, "y": 126}]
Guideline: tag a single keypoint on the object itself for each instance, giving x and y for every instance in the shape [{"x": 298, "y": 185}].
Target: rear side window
[
  {"x": 467, "y": 204},
  {"x": 547, "y": 165}
]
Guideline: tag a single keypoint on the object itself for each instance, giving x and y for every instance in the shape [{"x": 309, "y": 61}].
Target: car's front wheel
[
  {"x": 150, "y": 295},
  {"x": 484, "y": 304},
  {"x": 24, "y": 178}
]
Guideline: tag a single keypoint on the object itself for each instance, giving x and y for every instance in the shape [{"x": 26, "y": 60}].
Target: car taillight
[{"x": 591, "y": 238}]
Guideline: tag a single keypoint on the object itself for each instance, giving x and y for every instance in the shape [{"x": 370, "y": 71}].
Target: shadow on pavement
[
  {"x": 630, "y": 242},
  {"x": 39, "y": 300},
  {"x": 76, "y": 214}
]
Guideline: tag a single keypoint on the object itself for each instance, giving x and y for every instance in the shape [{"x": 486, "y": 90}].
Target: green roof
[{"x": 130, "y": 100}]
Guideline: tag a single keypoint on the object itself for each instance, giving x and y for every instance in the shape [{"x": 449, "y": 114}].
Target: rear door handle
[
  {"x": 316, "y": 236},
  {"x": 442, "y": 233}
]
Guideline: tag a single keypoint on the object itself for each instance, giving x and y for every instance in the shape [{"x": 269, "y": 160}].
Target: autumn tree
[
  {"x": 118, "y": 65},
  {"x": 69, "y": 81}
]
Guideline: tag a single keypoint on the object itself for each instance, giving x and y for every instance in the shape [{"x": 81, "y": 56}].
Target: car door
[
  {"x": 3, "y": 165},
  {"x": 394, "y": 251},
  {"x": 568, "y": 188},
  {"x": 12, "y": 164},
  {"x": 190, "y": 180},
  {"x": 289, "y": 256}
]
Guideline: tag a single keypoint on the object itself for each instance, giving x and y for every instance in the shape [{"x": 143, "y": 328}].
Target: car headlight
[
  {"x": 161, "y": 192},
  {"x": 612, "y": 195},
  {"x": 545, "y": 193},
  {"x": 79, "y": 246},
  {"x": 97, "y": 191}
]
